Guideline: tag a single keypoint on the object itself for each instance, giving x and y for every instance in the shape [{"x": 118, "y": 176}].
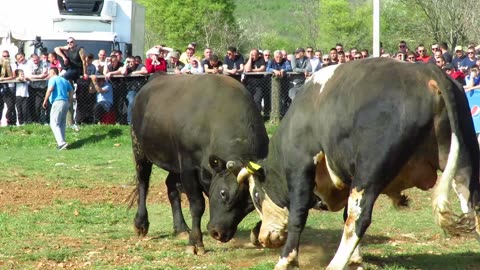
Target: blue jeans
[
  {"x": 72, "y": 74},
  {"x": 131, "y": 100},
  {"x": 58, "y": 120}
]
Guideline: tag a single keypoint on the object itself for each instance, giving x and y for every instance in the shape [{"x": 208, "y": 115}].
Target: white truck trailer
[{"x": 95, "y": 24}]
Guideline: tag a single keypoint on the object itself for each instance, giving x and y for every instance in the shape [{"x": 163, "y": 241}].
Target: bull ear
[{"x": 217, "y": 164}]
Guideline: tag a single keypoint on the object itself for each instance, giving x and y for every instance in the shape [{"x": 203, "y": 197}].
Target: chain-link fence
[{"x": 271, "y": 94}]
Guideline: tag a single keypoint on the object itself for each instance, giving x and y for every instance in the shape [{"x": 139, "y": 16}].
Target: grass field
[{"x": 68, "y": 210}]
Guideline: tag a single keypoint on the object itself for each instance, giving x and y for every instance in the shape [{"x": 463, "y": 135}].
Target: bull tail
[
  {"x": 451, "y": 223},
  {"x": 132, "y": 198},
  {"x": 137, "y": 151}
]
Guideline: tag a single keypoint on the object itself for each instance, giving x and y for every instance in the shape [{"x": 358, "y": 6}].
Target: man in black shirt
[
  {"x": 255, "y": 82},
  {"x": 74, "y": 60}
]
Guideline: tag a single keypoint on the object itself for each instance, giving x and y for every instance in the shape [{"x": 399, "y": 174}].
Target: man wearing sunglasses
[
  {"x": 74, "y": 60},
  {"x": 470, "y": 60},
  {"x": 422, "y": 54}
]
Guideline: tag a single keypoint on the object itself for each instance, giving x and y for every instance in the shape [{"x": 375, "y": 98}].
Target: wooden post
[{"x": 275, "y": 113}]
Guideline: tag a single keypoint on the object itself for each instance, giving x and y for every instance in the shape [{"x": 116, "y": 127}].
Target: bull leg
[
  {"x": 144, "y": 169},
  {"x": 300, "y": 194},
  {"x": 360, "y": 206},
  {"x": 356, "y": 260},
  {"x": 470, "y": 218},
  {"x": 254, "y": 234},
  {"x": 463, "y": 194},
  {"x": 193, "y": 190},
  {"x": 179, "y": 226}
]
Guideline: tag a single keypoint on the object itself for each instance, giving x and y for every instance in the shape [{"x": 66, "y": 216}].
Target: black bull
[
  {"x": 188, "y": 125},
  {"x": 360, "y": 129}
]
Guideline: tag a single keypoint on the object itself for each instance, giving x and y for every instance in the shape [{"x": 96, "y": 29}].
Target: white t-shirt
[{"x": 21, "y": 89}]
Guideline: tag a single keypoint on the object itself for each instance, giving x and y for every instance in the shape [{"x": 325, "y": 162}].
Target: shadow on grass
[
  {"x": 318, "y": 247},
  {"x": 114, "y": 133},
  {"x": 464, "y": 260}
]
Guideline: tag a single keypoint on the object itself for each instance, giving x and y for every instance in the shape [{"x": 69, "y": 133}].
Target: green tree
[
  {"x": 451, "y": 21},
  {"x": 345, "y": 22},
  {"x": 177, "y": 23}
]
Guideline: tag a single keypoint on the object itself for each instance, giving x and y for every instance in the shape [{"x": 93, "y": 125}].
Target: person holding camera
[
  {"x": 104, "y": 92},
  {"x": 155, "y": 61}
]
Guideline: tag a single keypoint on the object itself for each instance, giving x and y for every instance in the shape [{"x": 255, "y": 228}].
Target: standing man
[
  {"x": 7, "y": 90},
  {"x": 255, "y": 82},
  {"x": 59, "y": 93},
  {"x": 134, "y": 66},
  {"x": 75, "y": 66},
  {"x": 446, "y": 54},
  {"x": 458, "y": 58},
  {"x": 279, "y": 67},
  {"x": 37, "y": 89},
  {"x": 233, "y": 64},
  {"x": 101, "y": 62}
]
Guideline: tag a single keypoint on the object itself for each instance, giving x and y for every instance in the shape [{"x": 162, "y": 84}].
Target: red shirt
[
  {"x": 424, "y": 59},
  {"x": 151, "y": 68}
]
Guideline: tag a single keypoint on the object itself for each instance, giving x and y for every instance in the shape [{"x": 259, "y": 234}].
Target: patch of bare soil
[{"x": 39, "y": 193}]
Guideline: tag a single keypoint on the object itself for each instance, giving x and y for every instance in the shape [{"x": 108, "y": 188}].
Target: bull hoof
[
  {"x": 286, "y": 267},
  {"x": 355, "y": 266},
  {"x": 182, "y": 235},
  {"x": 201, "y": 251},
  {"x": 287, "y": 264},
  {"x": 141, "y": 231},
  {"x": 190, "y": 250}
]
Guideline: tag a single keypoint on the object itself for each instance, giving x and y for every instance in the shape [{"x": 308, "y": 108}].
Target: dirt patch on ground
[{"x": 39, "y": 193}]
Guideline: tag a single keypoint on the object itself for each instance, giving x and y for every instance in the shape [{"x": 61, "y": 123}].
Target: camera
[{"x": 38, "y": 44}]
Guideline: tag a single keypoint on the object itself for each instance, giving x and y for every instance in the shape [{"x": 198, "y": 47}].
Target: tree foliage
[
  {"x": 345, "y": 22},
  {"x": 287, "y": 24},
  {"x": 451, "y": 21},
  {"x": 177, "y": 23}
]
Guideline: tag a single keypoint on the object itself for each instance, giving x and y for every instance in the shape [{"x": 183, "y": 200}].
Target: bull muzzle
[{"x": 221, "y": 235}]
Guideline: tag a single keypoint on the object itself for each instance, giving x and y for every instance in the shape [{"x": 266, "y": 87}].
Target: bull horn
[
  {"x": 230, "y": 164},
  {"x": 242, "y": 175}
]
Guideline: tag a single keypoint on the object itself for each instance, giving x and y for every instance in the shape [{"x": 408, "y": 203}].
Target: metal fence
[{"x": 272, "y": 96}]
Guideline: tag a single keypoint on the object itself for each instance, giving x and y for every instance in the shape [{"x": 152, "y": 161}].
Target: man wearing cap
[
  {"x": 458, "y": 58},
  {"x": 302, "y": 63},
  {"x": 189, "y": 53},
  {"x": 174, "y": 64},
  {"x": 155, "y": 62}
]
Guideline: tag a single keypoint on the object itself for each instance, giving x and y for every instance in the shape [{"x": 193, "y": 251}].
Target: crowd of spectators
[{"x": 23, "y": 97}]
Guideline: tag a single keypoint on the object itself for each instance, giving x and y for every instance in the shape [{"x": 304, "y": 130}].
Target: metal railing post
[{"x": 276, "y": 86}]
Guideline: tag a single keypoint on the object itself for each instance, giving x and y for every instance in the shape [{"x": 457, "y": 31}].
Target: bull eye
[{"x": 223, "y": 194}]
